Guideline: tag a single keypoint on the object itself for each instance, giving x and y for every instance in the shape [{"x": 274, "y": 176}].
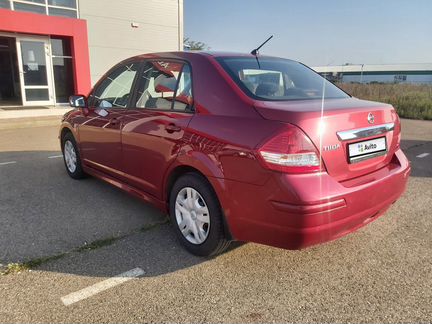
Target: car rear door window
[
  {"x": 275, "y": 79},
  {"x": 183, "y": 98},
  {"x": 115, "y": 89},
  {"x": 165, "y": 85}
]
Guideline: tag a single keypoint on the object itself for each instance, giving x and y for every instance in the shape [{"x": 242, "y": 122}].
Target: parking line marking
[
  {"x": 5, "y": 163},
  {"x": 422, "y": 155},
  {"x": 55, "y": 156},
  {"x": 101, "y": 286}
]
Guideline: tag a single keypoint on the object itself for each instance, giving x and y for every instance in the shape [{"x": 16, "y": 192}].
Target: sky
[{"x": 326, "y": 32}]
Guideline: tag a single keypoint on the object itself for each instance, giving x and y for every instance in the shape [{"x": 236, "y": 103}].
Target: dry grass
[{"x": 410, "y": 100}]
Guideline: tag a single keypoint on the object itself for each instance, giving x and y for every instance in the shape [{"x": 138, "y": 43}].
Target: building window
[
  {"x": 18, "y": 6},
  {"x": 63, "y": 8},
  {"x": 63, "y": 3},
  {"x": 10, "y": 90},
  {"x": 4, "y": 4},
  {"x": 62, "y": 68},
  {"x": 37, "y": 94},
  {"x": 62, "y": 12}
]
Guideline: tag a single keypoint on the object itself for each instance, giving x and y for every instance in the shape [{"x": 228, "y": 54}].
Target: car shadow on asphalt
[
  {"x": 46, "y": 215},
  {"x": 156, "y": 251}
]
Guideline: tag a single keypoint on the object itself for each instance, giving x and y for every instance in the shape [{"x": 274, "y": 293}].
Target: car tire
[
  {"x": 71, "y": 157},
  {"x": 197, "y": 217}
]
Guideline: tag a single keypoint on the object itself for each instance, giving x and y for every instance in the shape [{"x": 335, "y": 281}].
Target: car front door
[
  {"x": 155, "y": 126},
  {"x": 99, "y": 132}
]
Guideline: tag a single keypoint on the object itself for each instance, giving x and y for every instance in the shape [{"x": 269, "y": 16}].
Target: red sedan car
[{"x": 238, "y": 147}]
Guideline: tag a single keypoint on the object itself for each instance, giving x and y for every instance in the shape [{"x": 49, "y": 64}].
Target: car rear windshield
[{"x": 278, "y": 79}]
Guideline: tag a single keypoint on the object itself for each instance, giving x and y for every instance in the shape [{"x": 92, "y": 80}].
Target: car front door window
[{"x": 114, "y": 91}]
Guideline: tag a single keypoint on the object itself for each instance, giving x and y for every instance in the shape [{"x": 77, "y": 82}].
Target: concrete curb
[
  {"x": 22, "y": 118},
  {"x": 24, "y": 122}
]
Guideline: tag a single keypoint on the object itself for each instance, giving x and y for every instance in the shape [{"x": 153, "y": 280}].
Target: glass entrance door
[{"x": 35, "y": 69}]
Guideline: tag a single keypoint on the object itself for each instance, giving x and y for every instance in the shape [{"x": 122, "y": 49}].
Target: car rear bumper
[{"x": 297, "y": 211}]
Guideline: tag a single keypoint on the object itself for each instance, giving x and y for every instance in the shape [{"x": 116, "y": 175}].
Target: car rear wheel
[
  {"x": 71, "y": 157},
  {"x": 197, "y": 217}
]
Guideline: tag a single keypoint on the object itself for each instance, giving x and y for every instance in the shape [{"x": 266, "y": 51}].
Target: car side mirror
[{"x": 77, "y": 101}]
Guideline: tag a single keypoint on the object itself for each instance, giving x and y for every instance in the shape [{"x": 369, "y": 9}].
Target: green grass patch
[
  {"x": 24, "y": 266},
  {"x": 151, "y": 226},
  {"x": 410, "y": 100},
  {"x": 98, "y": 244}
]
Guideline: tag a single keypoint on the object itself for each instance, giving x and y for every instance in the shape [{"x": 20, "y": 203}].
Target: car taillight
[
  {"x": 397, "y": 129},
  {"x": 290, "y": 151},
  {"x": 399, "y": 133}
]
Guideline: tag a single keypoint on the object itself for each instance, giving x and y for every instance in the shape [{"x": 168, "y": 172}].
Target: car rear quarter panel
[
  {"x": 214, "y": 94},
  {"x": 226, "y": 146}
]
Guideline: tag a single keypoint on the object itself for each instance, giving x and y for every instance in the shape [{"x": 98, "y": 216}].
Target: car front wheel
[
  {"x": 197, "y": 217},
  {"x": 71, "y": 157}
]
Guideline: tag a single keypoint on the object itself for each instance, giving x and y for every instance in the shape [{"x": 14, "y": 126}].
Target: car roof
[{"x": 192, "y": 54}]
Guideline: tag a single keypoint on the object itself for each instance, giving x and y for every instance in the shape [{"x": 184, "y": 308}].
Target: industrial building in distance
[{"x": 371, "y": 73}]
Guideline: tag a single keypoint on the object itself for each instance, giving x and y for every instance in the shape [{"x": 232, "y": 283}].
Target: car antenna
[{"x": 255, "y": 51}]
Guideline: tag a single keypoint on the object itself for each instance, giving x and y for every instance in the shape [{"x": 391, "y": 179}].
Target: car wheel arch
[
  {"x": 190, "y": 161},
  {"x": 178, "y": 172},
  {"x": 65, "y": 130},
  {"x": 175, "y": 174}
]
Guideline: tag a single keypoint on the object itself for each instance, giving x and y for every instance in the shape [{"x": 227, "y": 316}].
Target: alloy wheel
[{"x": 70, "y": 156}]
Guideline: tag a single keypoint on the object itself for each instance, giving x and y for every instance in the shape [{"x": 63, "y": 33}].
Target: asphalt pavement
[{"x": 78, "y": 235}]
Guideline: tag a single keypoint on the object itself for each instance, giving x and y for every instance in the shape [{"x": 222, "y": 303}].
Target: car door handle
[
  {"x": 171, "y": 128},
  {"x": 115, "y": 121}
]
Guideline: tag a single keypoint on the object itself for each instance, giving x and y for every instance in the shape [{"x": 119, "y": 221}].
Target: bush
[{"x": 410, "y": 100}]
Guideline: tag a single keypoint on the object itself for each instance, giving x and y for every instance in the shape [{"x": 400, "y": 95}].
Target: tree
[{"x": 190, "y": 45}]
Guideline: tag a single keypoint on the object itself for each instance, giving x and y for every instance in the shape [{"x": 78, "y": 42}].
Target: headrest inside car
[
  {"x": 266, "y": 89},
  {"x": 165, "y": 84}
]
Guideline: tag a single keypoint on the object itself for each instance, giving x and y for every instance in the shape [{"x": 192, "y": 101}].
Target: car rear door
[
  {"x": 156, "y": 124},
  {"x": 99, "y": 132}
]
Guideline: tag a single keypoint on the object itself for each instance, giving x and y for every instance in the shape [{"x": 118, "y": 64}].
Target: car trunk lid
[{"x": 334, "y": 124}]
